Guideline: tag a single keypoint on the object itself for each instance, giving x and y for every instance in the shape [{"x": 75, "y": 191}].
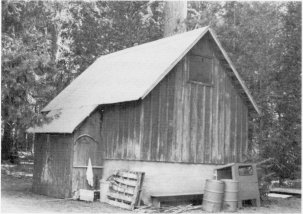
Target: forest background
[{"x": 46, "y": 44}]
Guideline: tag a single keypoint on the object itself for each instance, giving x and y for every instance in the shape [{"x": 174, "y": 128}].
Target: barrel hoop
[
  {"x": 217, "y": 202},
  {"x": 213, "y": 191},
  {"x": 214, "y": 181},
  {"x": 230, "y": 200}
]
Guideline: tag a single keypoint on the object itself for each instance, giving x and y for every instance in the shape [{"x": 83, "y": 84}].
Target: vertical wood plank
[
  {"x": 163, "y": 126},
  {"x": 132, "y": 131},
  {"x": 233, "y": 109},
  {"x": 203, "y": 120},
  {"x": 221, "y": 115},
  {"x": 131, "y": 135},
  {"x": 171, "y": 137},
  {"x": 120, "y": 109},
  {"x": 112, "y": 126},
  {"x": 120, "y": 149},
  {"x": 107, "y": 132},
  {"x": 236, "y": 130},
  {"x": 116, "y": 152},
  {"x": 147, "y": 128},
  {"x": 116, "y": 144},
  {"x": 150, "y": 128},
  {"x": 137, "y": 113},
  {"x": 208, "y": 124},
  {"x": 227, "y": 107},
  {"x": 215, "y": 117},
  {"x": 193, "y": 124},
  {"x": 200, "y": 135},
  {"x": 125, "y": 131},
  {"x": 136, "y": 128},
  {"x": 244, "y": 132},
  {"x": 127, "y": 143},
  {"x": 111, "y": 144},
  {"x": 179, "y": 113},
  {"x": 165, "y": 132},
  {"x": 141, "y": 132},
  {"x": 155, "y": 123},
  {"x": 181, "y": 118},
  {"x": 186, "y": 112},
  {"x": 247, "y": 125},
  {"x": 105, "y": 135},
  {"x": 160, "y": 120},
  {"x": 239, "y": 128},
  {"x": 111, "y": 141}
]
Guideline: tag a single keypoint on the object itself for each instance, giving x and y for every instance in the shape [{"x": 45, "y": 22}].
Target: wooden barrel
[
  {"x": 231, "y": 191},
  {"x": 213, "y": 195}
]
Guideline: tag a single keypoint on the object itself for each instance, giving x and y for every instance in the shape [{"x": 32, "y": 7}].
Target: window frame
[{"x": 211, "y": 70}]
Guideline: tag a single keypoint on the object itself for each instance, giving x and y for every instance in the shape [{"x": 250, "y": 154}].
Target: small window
[
  {"x": 200, "y": 69},
  {"x": 245, "y": 170}
]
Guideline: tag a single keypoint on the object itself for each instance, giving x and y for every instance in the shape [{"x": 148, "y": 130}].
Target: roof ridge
[{"x": 119, "y": 52}]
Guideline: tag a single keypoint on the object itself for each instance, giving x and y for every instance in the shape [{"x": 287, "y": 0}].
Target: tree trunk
[
  {"x": 7, "y": 138},
  {"x": 54, "y": 42},
  {"x": 6, "y": 142},
  {"x": 175, "y": 13}
]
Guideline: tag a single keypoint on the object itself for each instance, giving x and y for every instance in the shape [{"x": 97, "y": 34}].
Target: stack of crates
[{"x": 246, "y": 175}]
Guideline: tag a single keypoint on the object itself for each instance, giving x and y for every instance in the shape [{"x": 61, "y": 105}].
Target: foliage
[
  {"x": 283, "y": 140},
  {"x": 23, "y": 60},
  {"x": 47, "y": 44}
]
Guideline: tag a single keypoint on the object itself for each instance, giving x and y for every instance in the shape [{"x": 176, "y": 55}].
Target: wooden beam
[
  {"x": 119, "y": 196},
  {"x": 286, "y": 190}
]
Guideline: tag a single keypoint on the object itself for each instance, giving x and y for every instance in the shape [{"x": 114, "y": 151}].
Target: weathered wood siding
[
  {"x": 60, "y": 159},
  {"x": 87, "y": 143},
  {"x": 52, "y": 165},
  {"x": 181, "y": 121}
]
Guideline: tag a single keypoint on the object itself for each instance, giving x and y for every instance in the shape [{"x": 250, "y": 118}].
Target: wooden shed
[{"x": 174, "y": 108}]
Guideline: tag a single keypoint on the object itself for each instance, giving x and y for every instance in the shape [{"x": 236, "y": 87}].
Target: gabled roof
[
  {"x": 131, "y": 74},
  {"x": 126, "y": 75}
]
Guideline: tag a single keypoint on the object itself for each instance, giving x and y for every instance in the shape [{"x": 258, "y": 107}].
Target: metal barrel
[
  {"x": 231, "y": 191},
  {"x": 213, "y": 195}
]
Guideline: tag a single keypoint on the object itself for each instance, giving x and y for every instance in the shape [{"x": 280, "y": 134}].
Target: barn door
[{"x": 86, "y": 147}]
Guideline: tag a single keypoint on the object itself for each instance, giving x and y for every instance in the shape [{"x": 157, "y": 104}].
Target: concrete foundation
[{"x": 163, "y": 177}]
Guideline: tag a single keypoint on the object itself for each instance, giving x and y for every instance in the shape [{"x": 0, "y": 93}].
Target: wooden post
[{"x": 175, "y": 13}]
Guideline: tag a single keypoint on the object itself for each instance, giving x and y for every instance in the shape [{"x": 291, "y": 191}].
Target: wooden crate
[{"x": 125, "y": 188}]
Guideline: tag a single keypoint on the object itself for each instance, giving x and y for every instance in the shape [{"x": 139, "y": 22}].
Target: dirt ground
[{"x": 16, "y": 196}]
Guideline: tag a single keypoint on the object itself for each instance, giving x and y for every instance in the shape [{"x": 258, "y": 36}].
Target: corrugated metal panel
[
  {"x": 126, "y": 75},
  {"x": 64, "y": 120}
]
